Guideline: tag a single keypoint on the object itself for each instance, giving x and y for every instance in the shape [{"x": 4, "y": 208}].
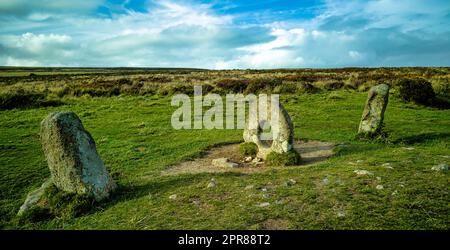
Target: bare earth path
[{"x": 311, "y": 151}]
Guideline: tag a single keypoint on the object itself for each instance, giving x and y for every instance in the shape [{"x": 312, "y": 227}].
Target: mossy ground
[{"x": 136, "y": 141}]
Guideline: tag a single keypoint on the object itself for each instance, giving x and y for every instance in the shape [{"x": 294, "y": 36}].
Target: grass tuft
[
  {"x": 290, "y": 158},
  {"x": 248, "y": 149}
]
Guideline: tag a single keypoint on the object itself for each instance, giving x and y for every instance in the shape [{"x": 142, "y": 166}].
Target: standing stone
[
  {"x": 72, "y": 158},
  {"x": 282, "y": 142},
  {"x": 373, "y": 113}
]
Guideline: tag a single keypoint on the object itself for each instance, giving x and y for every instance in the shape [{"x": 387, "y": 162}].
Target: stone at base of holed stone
[
  {"x": 373, "y": 114},
  {"x": 34, "y": 197},
  {"x": 72, "y": 157},
  {"x": 224, "y": 162},
  {"x": 282, "y": 142}
]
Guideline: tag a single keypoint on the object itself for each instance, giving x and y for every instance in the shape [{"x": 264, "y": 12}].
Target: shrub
[
  {"x": 329, "y": 84},
  {"x": 416, "y": 90},
  {"x": 441, "y": 85},
  {"x": 233, "y": 85},
  {"x": 287, "y": 159},
  {"x": 307, "y": 88},
  {"x": 170, "y": 89},
  {"x": 206, "y": 88},
  {"x": 248, "y": 149},
  {"x": 133, "y": 89},
  {"x": 367, "y": 85},
  {"x": 286, "y": 88},
  {"x": 22, "y": 99},
  {"x": 149, "y": 89},
  {"x": 96, "y": 92},
  {"x": 259, "y": 84}
]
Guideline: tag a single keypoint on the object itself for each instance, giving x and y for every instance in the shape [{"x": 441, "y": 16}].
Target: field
[{"x": 128, "y": 113}]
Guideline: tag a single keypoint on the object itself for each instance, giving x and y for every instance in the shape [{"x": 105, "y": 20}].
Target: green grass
[{"x": 136, "y": 141}]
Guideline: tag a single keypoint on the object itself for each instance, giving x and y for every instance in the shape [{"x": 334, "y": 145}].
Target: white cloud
[{"x": 22, "y": 62}]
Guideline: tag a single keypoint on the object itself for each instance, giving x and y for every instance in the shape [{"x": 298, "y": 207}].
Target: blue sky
[{"x": 225, "y": 34}]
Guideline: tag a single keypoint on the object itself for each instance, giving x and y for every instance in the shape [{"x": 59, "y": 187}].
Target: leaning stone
[
  {"x": 224, "y": 162},
  {"x": 72, "y": 157},
  {"x": 441, "y": 167},
  {"x": 373, "y": 114},
  {"x": 34, "y": 197}
]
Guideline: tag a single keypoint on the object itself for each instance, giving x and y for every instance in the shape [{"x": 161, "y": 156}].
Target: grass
[
  {"x": 248, "y": 149},
  {"x": 135, "y": 139},
  {"x": 291, "y": 158}
]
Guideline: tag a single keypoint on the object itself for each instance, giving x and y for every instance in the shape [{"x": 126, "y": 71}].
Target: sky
[{"x": 229, "y": 34}]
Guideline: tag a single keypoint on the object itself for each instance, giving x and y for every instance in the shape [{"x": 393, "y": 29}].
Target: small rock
[
  {"x": 290, "y": 182},
  {"x": 103, "y": 139},
  {"x": 34, "y": 197},
  {"x": 211, "y": 184},
  {"x": 325, "y": 181},
  {"x": 224, "y": 162},
  {"x": 173, "y": 197},
  {"x": 248, "y": 159},
  {"x": 441, "y": 167},
  {"x": 264, "y": 189},
  {"x": 341, "y": 214},
  {"x": 362, "y": 172},
  {"x": 196, "y": 202},
  {"x": 379, "y": 187},
  {"x": 263, "y": 204},
  {"x": 409, "y": 148},
  {"x": 257, "y": 160},
  {"x": 248, "y": 187}
]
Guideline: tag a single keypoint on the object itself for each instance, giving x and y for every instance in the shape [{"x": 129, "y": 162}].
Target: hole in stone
[{"x": 265, "y": 129}]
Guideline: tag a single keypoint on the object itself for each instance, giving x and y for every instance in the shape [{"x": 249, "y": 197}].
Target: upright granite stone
[
  {"x": 72, "y": 157},
  {"x": 373, "y": 114},
  {"x": 282, "y": 142}
]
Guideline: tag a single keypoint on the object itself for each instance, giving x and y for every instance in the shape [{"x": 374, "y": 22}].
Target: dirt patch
[
  {"x": 275, "y": 224},
  {"x": 312, "y": 152}
]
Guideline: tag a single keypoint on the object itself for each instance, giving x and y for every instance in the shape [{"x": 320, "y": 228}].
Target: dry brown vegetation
[{"x": 60, "y": 83}]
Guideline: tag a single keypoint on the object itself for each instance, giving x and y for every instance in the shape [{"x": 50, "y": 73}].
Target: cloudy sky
[{"x": 225, "y": 34}]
